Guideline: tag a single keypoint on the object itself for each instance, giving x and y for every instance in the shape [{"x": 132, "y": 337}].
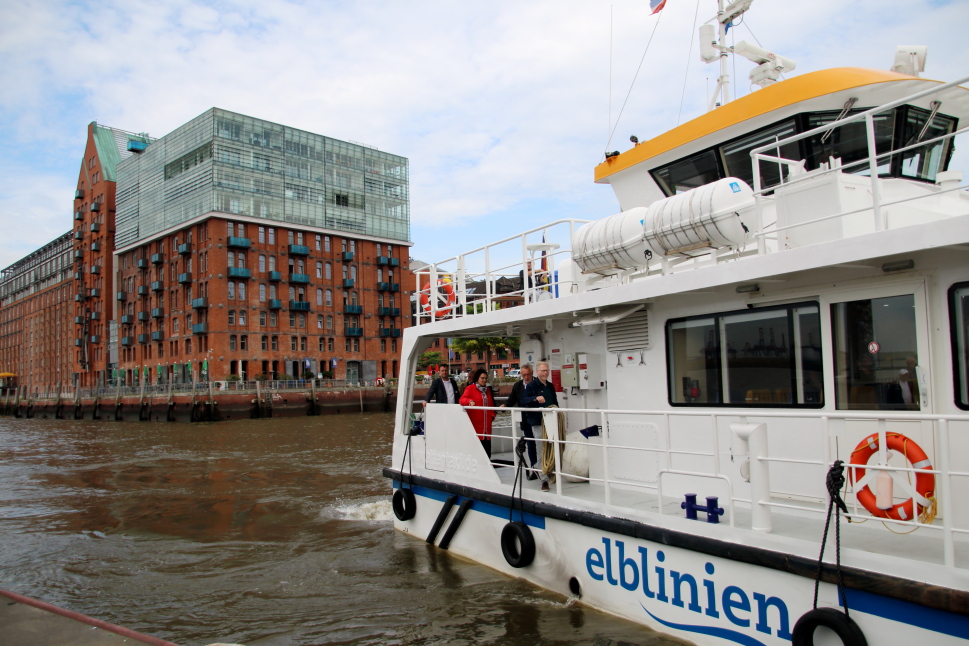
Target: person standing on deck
[
  {"x": 515, "y": 401},
  {"x": 540, "y": 393},
  {"x": 443, "y": 390},
  {"x": 479, "y": 393}
]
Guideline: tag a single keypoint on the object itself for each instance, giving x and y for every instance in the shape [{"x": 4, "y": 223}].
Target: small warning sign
[{"x": 873, "y": 347}]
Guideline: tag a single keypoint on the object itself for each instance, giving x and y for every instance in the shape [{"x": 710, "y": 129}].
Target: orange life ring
[
  {"x": 445, "y": 298},
  {"x": 924, "y": 482}
]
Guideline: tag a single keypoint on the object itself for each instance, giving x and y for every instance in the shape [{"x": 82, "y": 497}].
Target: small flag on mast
[{"x": 656, "y": 5}]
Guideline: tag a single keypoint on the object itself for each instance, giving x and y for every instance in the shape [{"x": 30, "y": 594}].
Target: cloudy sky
[{"x": 503, "y": 108}]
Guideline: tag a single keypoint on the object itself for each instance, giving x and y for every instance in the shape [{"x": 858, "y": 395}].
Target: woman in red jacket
[{"x": 479, "y": 393}]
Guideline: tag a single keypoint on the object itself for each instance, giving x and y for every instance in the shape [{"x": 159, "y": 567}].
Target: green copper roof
[{"x": 112, "y": 146}]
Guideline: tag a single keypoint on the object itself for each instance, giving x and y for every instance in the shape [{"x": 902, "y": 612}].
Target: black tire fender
[
  {"x": 405, "y": 505},
  {"x": 842, "y": 625},
  {"x": 517, "y": 544}
]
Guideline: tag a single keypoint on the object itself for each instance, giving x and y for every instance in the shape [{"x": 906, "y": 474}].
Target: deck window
[
  {"x": 925, "y": 162},
  {"x": 762, "y": 357},
  {"x": 959, "y": 325},
  {"x": 737, "y": 161},
  {"x": 875, "y": 354},
  {"x": 689, "y": 173}
]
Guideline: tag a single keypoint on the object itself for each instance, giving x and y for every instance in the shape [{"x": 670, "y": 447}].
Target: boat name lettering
[
  {"x": 434, "y": 460},
  {"x": 458, "y": 462},
  {"x": 666, "y": 585}
]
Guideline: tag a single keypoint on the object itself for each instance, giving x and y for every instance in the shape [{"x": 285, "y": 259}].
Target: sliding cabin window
[
  {"x": 894, "y": 129},
  {"x": 959, "y": 325},
  {"x": 875, "y": 354},
  {"x": 765, "y": 357}
]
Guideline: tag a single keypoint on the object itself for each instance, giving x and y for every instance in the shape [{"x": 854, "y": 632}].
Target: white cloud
[{"x": 500, "y": 106}]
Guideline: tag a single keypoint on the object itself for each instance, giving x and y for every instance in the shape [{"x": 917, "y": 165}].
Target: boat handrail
[{"x": 942, "y": 471}]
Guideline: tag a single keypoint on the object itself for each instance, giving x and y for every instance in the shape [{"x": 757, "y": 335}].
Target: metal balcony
[
  {"x": 158, "y": 336},
  {"x": 78, "y": 215},
  {"x": 239, "y": 272},
  {"x": 353, "y": 309},
  {"x": 200, "y": 303},
  {"x": 275, "y": 276},
  {"x": 185, "y": 248},
  {"x": 95, "y": 269},
  {"x": 388, "y": 287},
  {"x": 143, "y": 316},
  {"x": 142, "y": 338},
  {"x": 299, "y": 278},
  {"x": 78, "y": 275},
  {"x": 353, "y": 331},
  {"x": 200, "y": 328},
  {"x": 79, "y": 235},
  {"x": 95, "y": 338},
  {"x": 298, "y": 250},
  {"x": 79, "y": 298},
  {"x": 347, "y": 256},
  {"x": 391, "y": 332},
  {"x": 79, "y": 194},
  {"x": 95, "y": 226},
  {"x": 383, "y": 260},
  {"x": 127, "y": 341},
  {"x": 95, "y": 246},
  {"x": 348, "y": 283},
  {"x": 79, "y": 320},
  {"x": 142, "y": 263},
  {"x": 157, "y": 285},
  {"x": 275, "y": 304},
  {"x": 388, "y": 311},
  {"x": 122, "y": 296},
  {"x": 95, "y": 207},
  {"x": 157, "y": 258},
  {"x": 78, "y": 343},
  {"x": 299, "y": 306},
  {"x": 95, "y": 293},
  {"x": 127, "y": 319},
  {"x": 95, "y": 316},
  {"x": 185, "y": 278},
  {"x": 239, "y": 243},
  {"x": 395, "y": 262},
  {"x": 142, "y": 290},
  {"x": 157, "y": 312}
]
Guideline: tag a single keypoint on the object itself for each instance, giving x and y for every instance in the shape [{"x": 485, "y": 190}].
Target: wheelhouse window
[
  {"x": 689, "y": 173},
  {"x": 959, "y": 322},
  {"x": 875, "y": 354},
  {"x": 762, "y": 357},
  {"x": 736, "y": 155}
]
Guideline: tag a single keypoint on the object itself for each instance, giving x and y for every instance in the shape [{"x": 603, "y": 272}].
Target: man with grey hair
[
  {"x": 540, "y": 393},
  {"x": 515, "y": 401}
]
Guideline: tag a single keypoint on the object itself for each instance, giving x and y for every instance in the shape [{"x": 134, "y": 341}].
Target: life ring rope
[{"x": 922, "y": 494}]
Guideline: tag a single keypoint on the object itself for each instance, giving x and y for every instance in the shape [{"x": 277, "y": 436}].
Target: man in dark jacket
[
  {"x": 540, "y": 393},
  {"x": 515, "y": 401},
  {"x": 443, "y": 390}
]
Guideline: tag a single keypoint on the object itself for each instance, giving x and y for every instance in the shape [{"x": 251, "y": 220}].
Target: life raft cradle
[{"x": 923, "y": 493}]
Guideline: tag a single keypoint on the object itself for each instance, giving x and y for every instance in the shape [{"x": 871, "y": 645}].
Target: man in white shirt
[{"x": 444, "y": 390}]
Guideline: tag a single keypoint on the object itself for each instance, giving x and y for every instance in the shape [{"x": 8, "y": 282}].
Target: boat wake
[{"x": 380, "y": 510}]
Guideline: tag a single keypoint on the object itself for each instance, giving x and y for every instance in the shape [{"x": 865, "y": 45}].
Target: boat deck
[{"x": 923, "y": 545}]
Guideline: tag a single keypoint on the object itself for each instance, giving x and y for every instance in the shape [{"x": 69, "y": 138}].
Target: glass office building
[{"x": 233, "y": 164}]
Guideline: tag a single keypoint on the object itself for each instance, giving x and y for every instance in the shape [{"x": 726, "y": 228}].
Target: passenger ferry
[{"x": 785, "y": 289}]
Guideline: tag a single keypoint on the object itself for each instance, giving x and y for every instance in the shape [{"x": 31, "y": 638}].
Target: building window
[
  {"x": 275, "y": 343},
  {"x": 380, "y": 275},
  {"x": 390, "y": 251},
  {"x": 272, "y": 235},
  {"x": 378, "y": 248},
  {"x": 319, "y": 270},
  {"x": 299, "y": 238},
  {"x": 329, "y": 323},
  {"x": 232, "y": 229},
  {"x": 348, "y": 344},
  {"x": 292, "y": 293},
  {"x": 262, "y": 238},
  {"x": 272, "y": 319},
  {"x": 272, "y": 292},
  {"x": 328, "y": 272},
  {"x": 265, "y": 343},
  {"x": 383, "y": 345},
  {"x": 319, "y": 321},
  {"x": 230, "y": 258},
  {"x": 329, "y": 344},
  {"x": 322, "y": 344},
  {"x": 242, "y": 317},
  {"x": 262, "y": 293},
  {"x": 292, "y": 343},
  {"x": 319, "y": 243},
  {"x": 319, "y": 297},
  {"x": 393, "y": 345},
  {"x": 329, "y": 298},
  {"x": 326, "y": 243},
  {"x": 356, "y": 345},
  {"x": 262, "y": 320},
  {"x": 232, "y": 339},
  {"x": 262, "y": 262},
  {"x": 292, "y": 319},
  {"x": 243, "y": 342},
  {"x": 353, "y": 272},
  {"x": 232, "y": 317},
  {"x": 242, "y": 291},
  {"x": 272, "y": 263},
  {"x": 353, "y": 245},
  {"x": 302, "y": 343},
  {"x": 302, "y": 320}
]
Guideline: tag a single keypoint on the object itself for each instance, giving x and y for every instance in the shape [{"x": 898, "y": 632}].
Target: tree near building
[
  {"x": 487, "y": 346},
  {"x": 430, "y": 358}
]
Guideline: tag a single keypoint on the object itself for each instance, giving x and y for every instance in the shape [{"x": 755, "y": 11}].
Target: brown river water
[{"x": 270, "y": 532}]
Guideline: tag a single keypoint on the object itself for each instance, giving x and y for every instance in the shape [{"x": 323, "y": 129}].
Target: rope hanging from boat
[
  {"x": 548, "y": 448},
  {"x": 834, "y": 482}
]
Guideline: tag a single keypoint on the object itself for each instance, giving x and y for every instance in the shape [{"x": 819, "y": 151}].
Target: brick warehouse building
[
  {"x": 248, "y": 248},
  {"x": 36, "y": 306}
]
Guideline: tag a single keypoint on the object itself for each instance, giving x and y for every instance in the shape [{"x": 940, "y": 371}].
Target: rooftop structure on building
[{"x": 258, "y": 171}]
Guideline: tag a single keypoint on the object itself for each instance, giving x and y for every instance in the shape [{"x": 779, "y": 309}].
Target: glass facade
[{"x": 233, "y": 164}]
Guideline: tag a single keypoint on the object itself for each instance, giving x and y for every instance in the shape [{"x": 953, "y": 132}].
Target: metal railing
[
  {"x": 442, "y": 288},
  {"x": 181, "y": 388},
  {"x": 819, "y": 442}
]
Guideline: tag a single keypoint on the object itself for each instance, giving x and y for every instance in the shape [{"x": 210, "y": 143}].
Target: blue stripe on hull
[
  {"x": 538, "y": 522},
  {"x": 939, "y": 621}
]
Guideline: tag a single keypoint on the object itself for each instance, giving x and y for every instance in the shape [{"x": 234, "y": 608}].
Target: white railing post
[
  {"x": 945, "y": 491},
  {"x": 553, "y": 416},
  {"x": 417, "y": 290},
  {"x": 432, "y": 294},
  {"x": 753, "y": 444},
  {"x": 462, "y": 301},
  {"x": 489, "y": 288},
  {"x": 873, "y": 169},
  {"x": 606, "y": 471}
]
